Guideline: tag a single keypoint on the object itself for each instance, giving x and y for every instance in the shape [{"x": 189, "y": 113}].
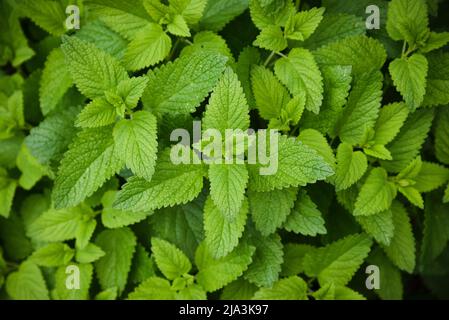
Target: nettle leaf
[
  {"x": 337, "y": 262},
  {"x": 136, "y": 143},
  {"x": 208, "y": 41},
  {"x": 214, "y": 274},
  {"x": 299, "y": 72},
  {"x": 274, "y": 13},
  {"x": 49, "y": 15},
  {"x": 305, "y": 217},
  {"x": 91, "y": 160},
  {"x": 297, "y": 165},
  {"x": 113, "y": 268},
  {"x": 179, "y": 87},
  {"x": 92, "y": 70},
  {"x": 376, "y": 194},
  {"x": 61, "y": 292},
  {"x": 149, "y": 47},
  {"x": 442, "y": 136},
  {"x": 53, "y": 255},
  {"x": 401, "y": 250},
  {"x": 303, "y": 24},
  {"x": 218, "y": 13},
  {"x": 379, "y": 225},
  {"x": 27, "y": 283},
  {"x": 170, "y": 185},
  {"x": 172, "y": 262},
  {"x": 409, "y": 76},
  {"x": 436, "y": 40},
  {"x": 153, "y": 288},
  {"x": 271, "y": 38},
  {"x": 97, "y": 113},
  {"x": 390, "y": 274},
  {"x": 430, "y": 177},
  {"x": 270, "y": 209},
  {"x": 391, "y": 119}
]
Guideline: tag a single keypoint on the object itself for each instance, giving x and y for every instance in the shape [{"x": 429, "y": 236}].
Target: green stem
[
  {"x": 404, "y": 46},
  {"x": 281, "y": 55},
  {"x": 269, "y": 58}
]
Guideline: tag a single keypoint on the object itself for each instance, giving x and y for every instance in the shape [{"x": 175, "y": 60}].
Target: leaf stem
[{"x": 269, "y": 58}]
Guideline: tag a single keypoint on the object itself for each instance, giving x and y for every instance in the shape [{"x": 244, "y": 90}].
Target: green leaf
[
  {"x": 179, "y": 87},
  {"x": 437, "y": 92},
  {"x": 170, "y": 185},
  {"x": 227, "y": 188},
  {"x": 271, "y": 38},
  {"x": 49, "y": 15},
  {"x": 337, "y": 262},
  {"x": 270, "y": 209},
  {"x": 363, "y": 53},
  {"x": 294, "y": 258},
  {"x": 61, "y": 292},
  {"x": 113, "y": 218},
  {"x": 27, "y": 283},
  {"x": 297, "y": 165},
  {"x": 389, "y": 274},
  {"x": 401, "y": 250},
  {"x": 55, "y": 81},
  {"x": 89, "y": 253},
  {"x": 291, "y": 288},
  {"x": 435, "y": 41},
  {"x": 276, "y": 13},
  {"x": 150, "y": 46},
  {"x": 227, "y": 108},
  {"x": 269, "y": 93},
  {"x": 130, "y": 90},
  {"x": 216, "y": 273},
  {"x": 430, "y": 177},
  {"x": 53, "y": 255},
  {"x": 7, "y": 191},
  {"x": 97, "y": 113},
  {"x": 435, "y": 230},
  {"x": 318, "y": 142},
  {"x": 305, "y": 217},
  {"x": 191, "y": 10},
  {"x": 92, "y": 70},
  {"x": 351, "y": 166},
  {"x": 153, "y": 288},
  {"x": 172, "y": 262},
  {"x": 408, "y": 20},
  {"x": 378, "y": 151},
  {"x": 332, "y": 292},
  {"x": 136, "y": 143},
  {"x": 299, "y": 72},
  {"x": 218, "y": 13},
  {"x": 178, "y": 26},
  {"x": 267, "y": 259},
  {"x": 240, "y": 289},
  {"x": 407, "y": 144},
  {"x": 379, "y": 225},
  {"x": 208, "y": 41},
  {"x": 113, "y": 268},
  {"x": 391, "y": 119},
  {"x": 78, "y": 177},
  {"x": 303, "y": 24},
  {"x": 362, "y": 109},
  {"x": 376, "y": 194},
  {"x": 142, "y": 266},
  {"x": 409, "y": 76},
  {"x": 335, "y": 27},
  {"x": 442, "y": 136},
  {"x": 56, "y": 225},
  {"x": 221, "y": 234}
]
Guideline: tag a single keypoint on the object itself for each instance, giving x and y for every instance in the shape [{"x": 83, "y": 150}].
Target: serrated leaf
[
  {"x": 390, "y": 274},
  {"x": 149, "y": 47},
  {"x": 351, "y": 166},
  {"x": 442, "y": 136},
  {"x": 27, "y": 283},
  {"x": 216, "y": 273},
  {"x": 379, "y": 225},
  {"x": 53, "y": 255},
  {"x": 153, "y": 288},
  {"x": 78, "y": 177},
  {"x": 409, "y": 76},
  {"x": 62, "y": 292},
  {"x": 437, "y": 92},
  {"x": 271, "y": 38},
  {"x": 401, "y": 250},
  {"x": 270, "y": 209},
  {"x": 89, "y": 253},
  {"x": 362, "y": 108},
  {"x": 294, "y": 258},
  {"x": 136, "y": 143},
  {"x": 172, "y": 262},
  {"x": 391, "y": 119},
  {"x": 305, "y": 217},
  {"x": 55, "y": 81},
  {"x": 267, "y": 259},
  {"x": 221, "y": 233},
  {"x": 179, "y": 87},
  {"x": 113, "y": 268},
  {"x": 170, "y": 185},
  {"x": 97, "y": 113},
  {"x": 299, "y": 72},
  {"x": 337, "y": 262},
  {"x": 376, "y": 194},
  {"x": 92, "y": 70},
  {"x": 430, "y": 177},
  {"x": 292, "y": 288},
  {"x": 303, "y": 24},
  {"x": 318, "y": 142},
  {"x": 49, "y": 15},
  {"x": 218, "y": 13}
]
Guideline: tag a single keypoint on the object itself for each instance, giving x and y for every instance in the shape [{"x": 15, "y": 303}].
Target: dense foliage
[{"x": 88, "y": 186}]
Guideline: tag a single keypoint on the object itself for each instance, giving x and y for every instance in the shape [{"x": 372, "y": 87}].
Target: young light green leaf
[
  {"x": 351, "y": 166},
  {"x": 53, "y": 255},
  {"x": 292, "y": 288},
  {"x": 27, "y": 283},
  {"x": 172, "y": 262},
  {"x": 391, "y": 119}
]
